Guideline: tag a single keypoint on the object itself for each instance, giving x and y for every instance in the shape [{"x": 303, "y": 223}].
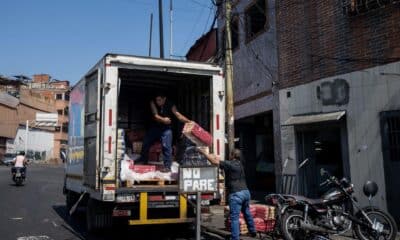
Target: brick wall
[
  {"x": 41, "y": 78},
  {"x": 316, "y": 40}
]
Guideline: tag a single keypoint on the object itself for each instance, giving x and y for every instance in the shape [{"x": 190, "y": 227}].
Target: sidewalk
[{"x": 215, "y": 221}]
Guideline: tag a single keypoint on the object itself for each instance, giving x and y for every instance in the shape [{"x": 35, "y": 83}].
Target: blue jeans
[
  {"x": 239, "y": 202},
  {"x": 154, "y": 134}
]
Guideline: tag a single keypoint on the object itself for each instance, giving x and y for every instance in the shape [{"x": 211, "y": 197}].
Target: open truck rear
[{"x": 115, "y": 95}]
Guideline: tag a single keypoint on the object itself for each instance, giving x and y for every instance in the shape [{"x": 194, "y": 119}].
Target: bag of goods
[
  {"x": 197, "y": 134},
  {"x": 137, "y": 147},
  {"x": 192, "y": 157},
  {"x": 121, "y": 147}
]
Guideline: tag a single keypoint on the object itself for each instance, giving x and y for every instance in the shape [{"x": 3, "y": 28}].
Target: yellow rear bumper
[{"x": 143, "y": 220}]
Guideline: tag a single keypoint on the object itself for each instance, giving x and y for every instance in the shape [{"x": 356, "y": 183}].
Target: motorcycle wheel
[
  {"x": 18, "y": 181},
  {"x": 376, "y": 215},
  {"x": 290, "y": 225}
]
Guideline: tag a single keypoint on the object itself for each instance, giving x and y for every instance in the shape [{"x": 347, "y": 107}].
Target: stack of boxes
[{"x": 121, "y": 147}]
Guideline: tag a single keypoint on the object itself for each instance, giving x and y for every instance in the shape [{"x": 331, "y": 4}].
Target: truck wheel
[{"x": 98, "y": 216}]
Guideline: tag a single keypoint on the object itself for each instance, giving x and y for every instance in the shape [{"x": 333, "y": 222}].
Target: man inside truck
[{"x": 163, "y": 112}]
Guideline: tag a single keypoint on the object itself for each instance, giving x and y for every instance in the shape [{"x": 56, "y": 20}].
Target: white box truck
[{"x": 115, "y": 94}]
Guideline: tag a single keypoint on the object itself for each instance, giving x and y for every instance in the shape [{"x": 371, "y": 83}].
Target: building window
[
  {"x": 65, "y": 127},
  {"x": 60, "y": 112},
  {"x": 59, "y": 96},
  {"x": 256, "y": 19},
  {"x": 390, "y": 122},
  {"x": 66, "y": 98},
  {"x": 235, "y": 32},
  {"x": 356, "y": 7},
  {"x": 66, "y": 110}
]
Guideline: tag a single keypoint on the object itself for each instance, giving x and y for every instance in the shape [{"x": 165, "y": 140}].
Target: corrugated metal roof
[{"x": 8, "y": 100}]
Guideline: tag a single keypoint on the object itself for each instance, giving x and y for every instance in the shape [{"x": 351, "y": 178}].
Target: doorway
[
  {"x": 390, "y": 132},
  {"x": 325, "y": 146},
  {"x": 256, "y": 142}
]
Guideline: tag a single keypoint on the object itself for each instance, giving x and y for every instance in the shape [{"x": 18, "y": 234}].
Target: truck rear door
[{"x": 92, "y": 126}]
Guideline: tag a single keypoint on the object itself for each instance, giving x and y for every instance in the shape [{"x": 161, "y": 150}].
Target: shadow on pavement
[{"x": 76, "y": 226}]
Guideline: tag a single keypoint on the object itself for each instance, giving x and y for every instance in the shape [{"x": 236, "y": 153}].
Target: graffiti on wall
[
  {"x": 76, "y": 124},
  {"x": 334, "y": 92}
]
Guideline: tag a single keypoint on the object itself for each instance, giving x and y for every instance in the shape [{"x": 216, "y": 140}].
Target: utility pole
[
  {"x": 229, "y": 78},
  {"x": 170, "y": 28},
  {"x": 151, "y": 33},
  {"x": 161, "y": 28},
  {"x": 26, "y": 136}
]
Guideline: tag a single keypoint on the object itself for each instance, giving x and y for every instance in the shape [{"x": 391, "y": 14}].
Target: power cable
[
  {"x": 194, "y": 27},
  {"x": 200, "y": 4}
]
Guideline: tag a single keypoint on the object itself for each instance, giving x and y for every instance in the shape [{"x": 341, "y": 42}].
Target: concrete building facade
[
  {"x": 13, "y": 115},
  {"x": 42, "y": 94},
  {"x": 339, "y": 94},
  {"x": 255, "y": 63},
  {"x": 44, "y": 86}
]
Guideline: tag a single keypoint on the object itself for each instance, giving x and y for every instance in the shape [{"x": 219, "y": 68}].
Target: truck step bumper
[{"x": 161, "y": 221}]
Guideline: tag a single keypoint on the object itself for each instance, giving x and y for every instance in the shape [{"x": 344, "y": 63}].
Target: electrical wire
[{"x": 200, "y": 4}]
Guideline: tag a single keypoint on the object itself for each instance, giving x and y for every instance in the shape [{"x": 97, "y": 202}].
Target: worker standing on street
[
  {"x": 163, "y": 112},
  {"x": 239, "y": 195}
]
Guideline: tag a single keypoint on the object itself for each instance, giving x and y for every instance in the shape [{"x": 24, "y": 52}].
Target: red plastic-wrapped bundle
[
  {"x": 265, "y": 212},
  {"x": 143, "y": 168},
  {"x": 242, "y": 223},
  {"x": 197, "y": 134},
  {"x": 259, "y": 224},
  {"x": 263, "y": 216},
  {"x": 155, "y": 151}
]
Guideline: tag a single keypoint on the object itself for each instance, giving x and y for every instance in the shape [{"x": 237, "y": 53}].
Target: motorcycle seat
[{"x": 311, "y": 201}]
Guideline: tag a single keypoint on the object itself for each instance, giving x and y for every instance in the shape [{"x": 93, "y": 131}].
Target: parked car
[{"x": 8, "y": 159}]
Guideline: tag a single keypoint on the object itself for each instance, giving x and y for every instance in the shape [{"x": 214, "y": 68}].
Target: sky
[{"x": 65, "y": 38}]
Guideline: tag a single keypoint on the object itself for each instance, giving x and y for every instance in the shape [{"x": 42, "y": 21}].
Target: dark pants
[
  {"x": 154, "y": 134},
  {"x": 23, "y": 170},
  {"x": 239, "y": 202}
]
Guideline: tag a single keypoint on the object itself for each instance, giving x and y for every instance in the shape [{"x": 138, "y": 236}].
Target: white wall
[
  {"x": 38, "y": 141},
  {"x": 370, "y": 93}
]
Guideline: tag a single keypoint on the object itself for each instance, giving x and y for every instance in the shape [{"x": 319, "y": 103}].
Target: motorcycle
[
  {"x": 18, "y": 175},
  {"x": 304, "y": 218}
]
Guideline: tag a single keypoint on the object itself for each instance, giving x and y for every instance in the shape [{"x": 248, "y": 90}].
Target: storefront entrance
[
  {"x": 325, "y": 146},
  {"x": 256, "y": 142}
]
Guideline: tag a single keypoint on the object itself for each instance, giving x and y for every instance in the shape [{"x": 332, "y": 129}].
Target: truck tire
[{"x": 98, "y": 216}]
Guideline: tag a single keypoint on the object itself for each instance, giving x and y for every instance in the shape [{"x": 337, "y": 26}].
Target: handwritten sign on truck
[{"x": 198, "y": 179}]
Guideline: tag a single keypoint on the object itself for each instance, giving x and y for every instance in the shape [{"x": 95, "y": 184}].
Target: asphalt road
[{"x": 36, "y": 211}]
